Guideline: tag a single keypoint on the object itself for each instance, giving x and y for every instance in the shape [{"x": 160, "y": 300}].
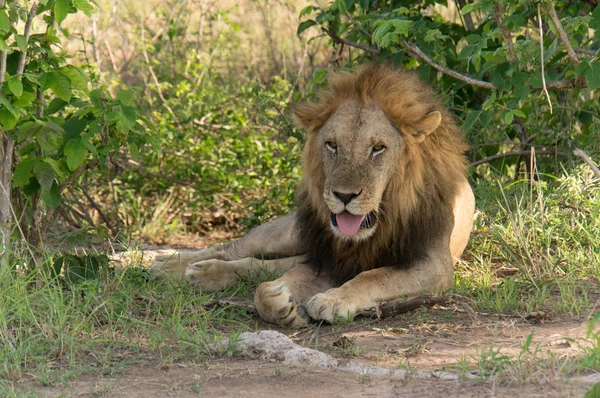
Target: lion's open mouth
[{"x": 349, "y": 224}]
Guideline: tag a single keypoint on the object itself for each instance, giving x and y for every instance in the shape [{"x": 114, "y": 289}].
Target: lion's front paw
[
  {"x": 275, "y": 304},
  {"x": 212, "y": 275},
  {"x": 329, "y": 305}
]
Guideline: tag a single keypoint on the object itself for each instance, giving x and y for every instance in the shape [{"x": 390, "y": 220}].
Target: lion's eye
[
  {"x": 331, "y": 146},
  {"x": 377, "y": 149}
]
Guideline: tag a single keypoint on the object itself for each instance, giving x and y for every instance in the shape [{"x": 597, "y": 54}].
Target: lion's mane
[{"x": 416, "y": 210}]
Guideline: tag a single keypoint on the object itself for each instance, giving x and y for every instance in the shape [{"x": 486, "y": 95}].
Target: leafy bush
[
  {"x": 487, "y": 60},
  {"x": 53, "y": 125}
]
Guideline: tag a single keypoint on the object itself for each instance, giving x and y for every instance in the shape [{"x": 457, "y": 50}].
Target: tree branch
[
  {"x": 26, "y": 33},
  {"x": 517, "y": 153},
  {"x": 563, "y": 35},
  {"x": 509, "y": 44},
  {"x": 580, "y": 154},
  {"x": 338, "y": 40},
  {"x": 544, "y": 87},
  {"x": 393, "y": 308},
  {"x": 416, "y": 52}
]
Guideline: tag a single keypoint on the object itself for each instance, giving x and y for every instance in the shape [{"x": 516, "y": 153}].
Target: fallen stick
[{"x": 397, "y": 307}]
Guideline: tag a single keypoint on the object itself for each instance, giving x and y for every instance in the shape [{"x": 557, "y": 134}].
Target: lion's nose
[{"x": 345, "y": 197}]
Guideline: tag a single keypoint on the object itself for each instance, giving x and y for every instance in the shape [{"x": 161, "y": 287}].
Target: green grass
[
  {"x": 535, "y": 246},
  {"x": 58, "y": 331}
]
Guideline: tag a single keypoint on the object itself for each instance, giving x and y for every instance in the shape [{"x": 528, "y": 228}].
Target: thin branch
[
  {"x": 417, "y": 53},
  {"x": 76, "y": 174},
  {"x": 156, "y": 82},
  {"x": 561, "y": 32},
  {"x": 3, "y": 57},
  {"x": 393, "y": 308},
  {"x": 509, "y": 44},
  {"x": 26, "y": 33},
  {"x": 545, "y": 89},
  {"x": 580, "y": 154},
  {"x": 517, "y": 153},
  {"x": 339, "y": 40},
  {"x": 578, "y": 82}
]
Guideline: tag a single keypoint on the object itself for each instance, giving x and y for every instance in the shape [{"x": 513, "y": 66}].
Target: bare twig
[
  {"x": 338, "y": 40},
  {"x": 76, "y": 174},
  {"x": 398, "y": 307},
  {"x": 26, "y": 33},
  {"x": 416, "y": 52},
  {"x": 201, "y": 122},
  {"x": 156, "y": 82},
  {"x": 580, "y": 154},
  {"x": 3, "y": 57},
  {"x": 509, "y": 44},
  {"x": 516, "y": 153},
  {"x": 545, "y": 89},
  {"x": 561, "y": 32},
  {"x": 100, "y": 212}
]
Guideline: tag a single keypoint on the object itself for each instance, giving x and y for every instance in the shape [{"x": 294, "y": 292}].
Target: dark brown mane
[{"x": 420, "y": 192}]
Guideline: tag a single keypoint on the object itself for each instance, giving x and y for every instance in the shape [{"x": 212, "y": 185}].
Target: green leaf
[
  {"x": 467, "y": 9},
  {"x": 84, "y": 6},
  {"x": 341, "y": 6},
  {"x": 76, "y": 153},
  {"x": 508, "y": 117},
  {"x": 61, "y": 10},
  {"x": 22, "y": 171},
  {"x": 595, "y": 23},
  {"x": 125, "y": 97},
  {"x": 305, "y": 25},
  {"x": 592, "y": 76},
  {"x": 15, "y": 86},
  {"x": 51, "y": 197},
  {"x": 7, "y": 119},
  {"x": 56, "y": 166},
  {"x": 59, "y": 83},
  {"x": 4, "y": 21},
  {"x": 470, "y": 120},
  {"x": 519, "y": 112},
  {"x": 4, "y": 101},
  {"x": 130, "y": 113},
  {"x": 78, "y": 79},
  {"x": 21, "y": 42},
  {"x": 24, "y": 100},
  {"x": 45, "y": 174}
]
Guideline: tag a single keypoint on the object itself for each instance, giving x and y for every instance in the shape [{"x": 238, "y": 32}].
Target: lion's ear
[
  {"x": 306, "y": 115},
  {"x": 426, "y": 126}
]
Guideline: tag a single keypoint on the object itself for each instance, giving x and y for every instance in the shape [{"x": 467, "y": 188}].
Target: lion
[{"x": 384, "y": 206}]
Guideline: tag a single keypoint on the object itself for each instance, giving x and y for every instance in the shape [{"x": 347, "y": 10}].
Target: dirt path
[
  {"x": 243, "y": 378},
  {"x": 422, "y": 341}
]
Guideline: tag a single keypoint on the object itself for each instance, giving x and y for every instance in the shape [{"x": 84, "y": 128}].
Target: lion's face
[{"x": 359, "y": 149}]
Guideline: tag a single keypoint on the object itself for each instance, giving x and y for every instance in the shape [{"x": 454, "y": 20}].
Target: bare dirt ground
[
  {"x": 425, "y": 340},
  {"x": 244, "y": 378}
]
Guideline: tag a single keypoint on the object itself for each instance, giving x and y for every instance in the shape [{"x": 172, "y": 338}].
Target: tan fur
[{"x": 421, "y": 171}]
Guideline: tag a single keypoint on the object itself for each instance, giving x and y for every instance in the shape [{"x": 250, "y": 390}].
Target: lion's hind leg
[{"x": 215, "y": 275}]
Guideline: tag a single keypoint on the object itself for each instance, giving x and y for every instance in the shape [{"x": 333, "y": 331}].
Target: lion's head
[{"x": 381, "y": 148}]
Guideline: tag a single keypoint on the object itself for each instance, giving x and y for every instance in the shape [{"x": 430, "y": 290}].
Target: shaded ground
[
  {"x": 235, "y": 378},
  {"x": 428, "y": 339}
]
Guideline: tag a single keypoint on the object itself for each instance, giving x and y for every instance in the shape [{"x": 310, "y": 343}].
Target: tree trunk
[{"x": 6, "y": 159}]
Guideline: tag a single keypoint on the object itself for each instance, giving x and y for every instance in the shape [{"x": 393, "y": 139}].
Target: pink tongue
[{"x": 348, "y": 223}]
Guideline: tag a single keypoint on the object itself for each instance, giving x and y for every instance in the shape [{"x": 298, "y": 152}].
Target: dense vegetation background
[{"x": 169, "y": 122}]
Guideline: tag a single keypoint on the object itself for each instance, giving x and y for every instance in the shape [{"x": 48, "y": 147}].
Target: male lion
[{"x": 384, "y": 208}]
